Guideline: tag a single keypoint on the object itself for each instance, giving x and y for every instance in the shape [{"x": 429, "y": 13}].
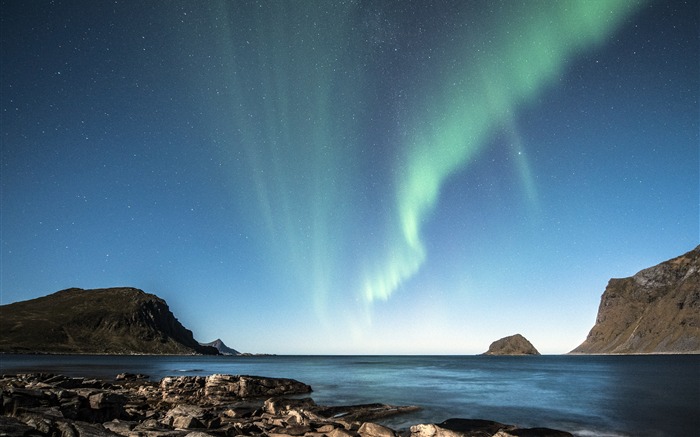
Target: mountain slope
[
  {"x": 655, "y": 311},
  {"x": 110, "y": 320},
  {"x": 221, "y": 347}
]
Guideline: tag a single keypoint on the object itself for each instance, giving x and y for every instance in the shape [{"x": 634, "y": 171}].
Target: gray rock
[{"x": 370, "y": 429}]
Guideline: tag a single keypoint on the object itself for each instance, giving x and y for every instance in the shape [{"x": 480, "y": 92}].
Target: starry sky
[{"x": 350, "y": 177}]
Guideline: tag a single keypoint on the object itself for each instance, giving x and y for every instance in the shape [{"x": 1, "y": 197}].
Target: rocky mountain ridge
[
  {"x": 221, "y": 347},
  {"x": 122, "y": 320},
  {"x": 657, "y": 310}
]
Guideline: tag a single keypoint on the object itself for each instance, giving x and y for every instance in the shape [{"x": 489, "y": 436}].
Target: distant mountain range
[
  {"x": 100, "y": 321},
  {"x": 655, "y": 311}
]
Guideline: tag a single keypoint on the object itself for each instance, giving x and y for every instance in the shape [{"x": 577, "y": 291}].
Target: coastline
[{"x": 48, "y": 404}]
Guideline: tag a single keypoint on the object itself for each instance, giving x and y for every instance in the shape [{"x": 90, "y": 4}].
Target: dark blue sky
[{"x": 350, "y": 177}]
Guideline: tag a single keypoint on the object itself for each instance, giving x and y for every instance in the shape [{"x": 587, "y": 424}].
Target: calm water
[{"x": 585, "y": 395}]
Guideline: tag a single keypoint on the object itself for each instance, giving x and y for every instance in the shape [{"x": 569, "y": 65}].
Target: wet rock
[
  {"x": 11, "y": 426},
  {"x": 364, "y": 412},
  {"x": 121, "y": 427},
  {"x": 243, "y": 386},
  {"x": 458, "y": 428},
  {"x": 131, "y": 377},
  {"x": 284, "y": 405},
  {"x": 533, "y": 432}
]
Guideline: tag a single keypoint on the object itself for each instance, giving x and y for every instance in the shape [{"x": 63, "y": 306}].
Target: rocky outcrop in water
[
  {"x": 512, "y": 345},
  {"x": 194, "y": 406},
  {"x": 100, "y": 321},
  {"x": 655, "y": 311}
]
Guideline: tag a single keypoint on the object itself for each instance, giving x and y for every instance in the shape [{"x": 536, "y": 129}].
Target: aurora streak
[{"x": 300, "y": 156}]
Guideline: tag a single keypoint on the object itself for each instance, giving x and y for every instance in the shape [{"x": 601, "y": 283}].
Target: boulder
[
  {"x": 243, "y": 386},
  {"x": 370, "y": 429},
  {"x": 458, "y": 428}
]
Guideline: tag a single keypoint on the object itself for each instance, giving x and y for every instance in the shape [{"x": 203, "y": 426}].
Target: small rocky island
[
  {"x": 512, "y": 345},
  {"x": 199, "y": 406}
]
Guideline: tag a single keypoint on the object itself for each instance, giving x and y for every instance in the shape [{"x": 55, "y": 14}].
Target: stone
[
  {"x": 243, "y": 386},
  {"x": 283, "y": 405},
  {"x": 11, "y": 426},
  {"x": 458, "y": 428},
  {"x": 130, "y": 377},
  {"x": 341, "y": 432},
  {"x": 370, "y": 429},
  {"x": 120, "y": 427},
  {"x": 533, "y": 432},
  {"x": 105, "y": 399},
  {"x": 83, "y": 429}
]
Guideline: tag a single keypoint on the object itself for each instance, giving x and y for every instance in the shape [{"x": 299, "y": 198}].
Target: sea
[{"x": 626, "y": 395}]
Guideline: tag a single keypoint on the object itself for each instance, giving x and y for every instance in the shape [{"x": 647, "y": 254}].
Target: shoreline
[{"x": 200, "y": 406}]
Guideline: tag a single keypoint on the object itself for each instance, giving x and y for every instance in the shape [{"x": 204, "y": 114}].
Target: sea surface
[{"x": 586, "y": 395}]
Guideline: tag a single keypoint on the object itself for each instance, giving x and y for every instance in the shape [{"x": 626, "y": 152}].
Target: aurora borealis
[{"x": 350, "y": 177}]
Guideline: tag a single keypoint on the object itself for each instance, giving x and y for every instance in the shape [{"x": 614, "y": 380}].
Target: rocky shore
[{"x": 196, "y": 406}]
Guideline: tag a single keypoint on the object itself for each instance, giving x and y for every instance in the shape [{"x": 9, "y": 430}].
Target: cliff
[
  {"x": 512, "y": 345},
  {"x": 111, "y": 321},
  {"x": 655, "y": 311}
]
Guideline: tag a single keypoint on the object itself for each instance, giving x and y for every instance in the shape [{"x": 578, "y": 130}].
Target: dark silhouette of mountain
[
  {"x": 221, "y": 347},
  {"x": 655, "y": 311},
  {"x": 100, "y": 321}
]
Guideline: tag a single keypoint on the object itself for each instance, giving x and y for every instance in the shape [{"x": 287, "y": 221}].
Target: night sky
[{"x": 351, "y": 176}]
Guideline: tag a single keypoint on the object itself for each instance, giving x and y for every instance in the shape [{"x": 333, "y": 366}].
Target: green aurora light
[{"x": 479, "y": 95}]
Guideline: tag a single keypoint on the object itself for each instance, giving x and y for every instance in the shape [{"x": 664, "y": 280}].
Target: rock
[
  {"x": 120, "y": 427},
  {"x": 458, "y": 428},
  {"x": 243, "y": 386},
  {"x": 362, "y": 413},
  {"x": 512, "y": 345},
  {"x": 655, "y": 311},
  {"x": 279, "y": 406},
  {"x": 533, "y": 432},
  {"x": 11, "y": 426},
  {"x": 369, "y": 429},
  {"x": 186, "y": 417},
  {"x": 341, "y": 432},
  {"x": 83, "y": 429},
  {"x": 130, "y": 377},
  {"x": 219, "y": 388}
]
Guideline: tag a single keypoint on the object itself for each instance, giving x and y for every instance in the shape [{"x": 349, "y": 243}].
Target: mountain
[
  {"x": 221, "y": 347},
  {"x": 512, "y": 345},
  {"x": 109, "y": 320},
  {"x": 655, "y": 311}
]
